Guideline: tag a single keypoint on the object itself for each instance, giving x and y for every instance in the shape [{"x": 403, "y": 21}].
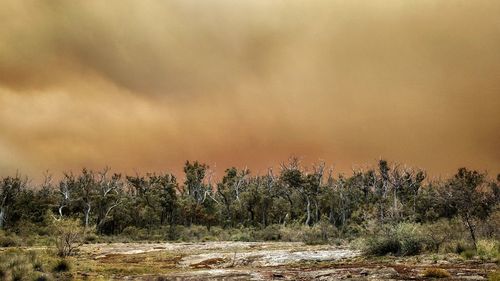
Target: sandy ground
[{"x": 274, "y": 261}]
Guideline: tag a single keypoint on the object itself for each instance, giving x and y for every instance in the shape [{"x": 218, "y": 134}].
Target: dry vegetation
[{"x": 387, "y": 223}]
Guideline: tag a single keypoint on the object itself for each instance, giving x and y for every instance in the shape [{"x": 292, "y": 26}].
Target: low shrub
[
  {"x": 488, "y": 249},
  {"x": 68, "y": 235},
  {"x": 436, "y": 273},
  {"x": 404, "y": 239},
  {"x": 132, "y": 233},
  {"x": 468, "y": 254},
  {"x": 20, "y": 265},
  {"x": 10, "y": 240},
  {"x": 242, "y": 236},
  {"x": 91, "y": 238},
  {"x": 62, "y": 265},
  {"x": 269, "y": 233},
  {"x": 379, "y": 246}
]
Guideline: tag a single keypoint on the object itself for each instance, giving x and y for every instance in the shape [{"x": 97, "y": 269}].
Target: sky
[{"x": 146, "y": 85}]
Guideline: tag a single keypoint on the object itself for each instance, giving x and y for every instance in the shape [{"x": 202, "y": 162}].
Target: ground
[{"x": 260, "y": 261}]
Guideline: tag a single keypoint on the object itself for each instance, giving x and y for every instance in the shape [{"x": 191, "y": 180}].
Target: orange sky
[{"x": 146, "y": 85}]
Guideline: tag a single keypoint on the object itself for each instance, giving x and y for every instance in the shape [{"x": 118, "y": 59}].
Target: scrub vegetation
[{"x": 389, "y": 209}]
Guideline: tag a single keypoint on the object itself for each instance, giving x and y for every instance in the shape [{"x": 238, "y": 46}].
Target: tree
[
  {"x": 87, "y": 190},
  {"x": 197, "y": 192},
  {"x": 166, "y": 185},
  {"x": 67, "y": 188},
  {"x": 108, "y": 197},
  {"x": 467, "y": 195},
  {"x": 229, "y": 191},
  {"x": 10, "y": 187}
]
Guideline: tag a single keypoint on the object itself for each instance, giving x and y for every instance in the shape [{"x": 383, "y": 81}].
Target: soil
[{"x": 271, "y": 261}]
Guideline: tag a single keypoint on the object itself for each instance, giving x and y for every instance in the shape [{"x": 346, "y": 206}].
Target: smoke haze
[{"x": 146, "y": 85}]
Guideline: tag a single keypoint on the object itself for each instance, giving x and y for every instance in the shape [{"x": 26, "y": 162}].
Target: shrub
[
  {"x": 468, "y": 254},
  {"x": 488, "y": 249},
  {"x": 292, "y": 233},
  {"x": 20, "y": 265},
  {"x": 270, "y": 233},
  {"x": 62, "y": 265},
  {"x": 68, "y": 236},
  {"x": 91, "y": 238},
  {"x": 172, "y": 233},
  {"x": 132, "y": 233},
  {"x": 312, "y": 236},
  {"x": 438, "y": 233},
  {"x": 404, "y": 239},
  {"x": 382, "y": 245},
  {"x": 10, "y": 240},
  {"x": 243, "y": 236},
  {"x": 436, "y": 273}
]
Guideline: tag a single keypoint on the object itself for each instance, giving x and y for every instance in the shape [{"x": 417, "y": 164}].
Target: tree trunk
[
  {"x": 308, "y": 210},
  {"x": 317, "y": 210},
  {"x": 2, "y": 218},
  {"x": 395, "y": 203},
  {"x": 87, "y": 215},
  {"x": 472, "y": 231},
  {"x": 60, "y": 212}
]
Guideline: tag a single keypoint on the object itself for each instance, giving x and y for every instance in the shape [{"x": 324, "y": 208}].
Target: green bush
[
  {"x": 243, "y": 236},
  {"x": 403, "y": 239},
  {"x": 270, "y": 233},
  {"x": 132, "y": 233},
  {"x": 488, "y": 249},
  {"x": 292, "y": 233},
  {"x": 468, "y": 254},
  {"x": 382, "y": 245}
]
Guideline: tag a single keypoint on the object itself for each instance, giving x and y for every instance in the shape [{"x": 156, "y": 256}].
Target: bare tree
[{"x": 109, "y": 195}]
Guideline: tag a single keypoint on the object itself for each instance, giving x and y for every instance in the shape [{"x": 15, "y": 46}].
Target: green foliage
[
  {"x": 270, "y": 233},
  {"x": 294, "y": 203},
  {"x": 489, "y": 249},
  {"x": 468, "y": 254},
  {"x": 403, "y": 239},
  {"x": 380, "y": 246}
]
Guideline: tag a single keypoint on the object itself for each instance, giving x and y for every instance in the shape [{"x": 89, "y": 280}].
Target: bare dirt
[{"x": 268, "y": 261}]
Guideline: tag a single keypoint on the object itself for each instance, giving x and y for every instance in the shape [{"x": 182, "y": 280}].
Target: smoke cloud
[{"x": 146, "y": 85}]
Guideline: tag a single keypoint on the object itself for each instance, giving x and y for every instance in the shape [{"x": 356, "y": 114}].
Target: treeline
[{"x": 386, "y": 193}]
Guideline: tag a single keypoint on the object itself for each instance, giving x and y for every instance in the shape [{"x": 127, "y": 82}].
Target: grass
[
  {"x": 494, "y": 276},
  {"x": 436, "y": 273},
  {"x": 17, "y": 264}
]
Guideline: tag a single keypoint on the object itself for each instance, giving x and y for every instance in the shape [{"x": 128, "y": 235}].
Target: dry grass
[{"x": 436, "y": 273}]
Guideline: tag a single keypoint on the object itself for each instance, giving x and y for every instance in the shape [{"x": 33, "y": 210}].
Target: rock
[
  {"x": 383, "y": 274},
  {"x": 473, "y": 277},
  {"x": 364, "y": 272}
]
